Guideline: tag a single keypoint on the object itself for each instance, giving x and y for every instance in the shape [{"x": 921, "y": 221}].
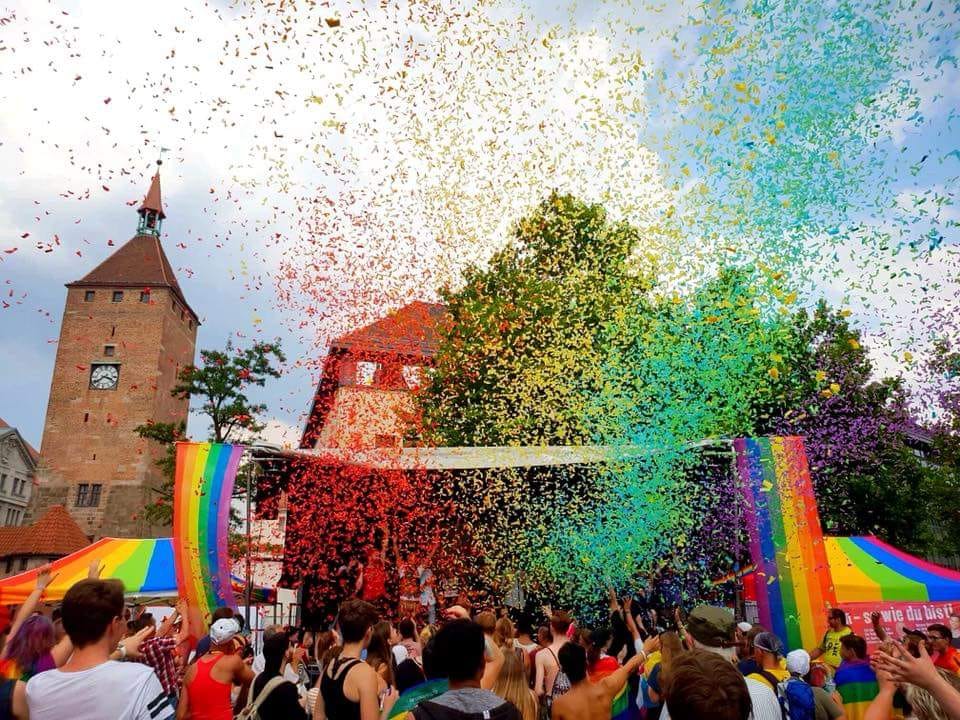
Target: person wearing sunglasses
[{"x": 947, "y": 656}]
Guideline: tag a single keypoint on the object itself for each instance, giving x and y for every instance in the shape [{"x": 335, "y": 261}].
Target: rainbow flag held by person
[
  {"x": 413, "y": 696},
  {"x": 621, "y": 704},
  {"x": 857, "y": 685},
  {"x": 203, "y": 485},
  {"x": 792, "y": 578}
]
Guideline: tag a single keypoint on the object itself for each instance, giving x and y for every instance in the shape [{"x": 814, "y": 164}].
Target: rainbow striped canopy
[
  {"x": 144, "y": 566},
  {"x": 866, "y": 569}
]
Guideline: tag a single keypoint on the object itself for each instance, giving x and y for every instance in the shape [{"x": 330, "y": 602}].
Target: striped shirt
[
  {"x": 857, "y": 685},
  {"x": 115, "y": 690}
]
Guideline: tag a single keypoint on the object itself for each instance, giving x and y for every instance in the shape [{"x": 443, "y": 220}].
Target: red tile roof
[
  {"x": 152, "y": 199},
  {"x": 411, "y": 331},
  {"x": 56, "y": 533},
  {"x": 141, "y": 263}
]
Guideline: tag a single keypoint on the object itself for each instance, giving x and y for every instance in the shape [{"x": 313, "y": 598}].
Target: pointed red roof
[
  {"x": 411, "y": 331},
  {"x": 152, "y": 199},
  {"x": 141, "y": 263},
  {"x": 56, "y": 533}
]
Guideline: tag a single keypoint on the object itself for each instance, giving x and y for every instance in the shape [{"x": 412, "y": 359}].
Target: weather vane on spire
[{"x": 151, "y": 209}]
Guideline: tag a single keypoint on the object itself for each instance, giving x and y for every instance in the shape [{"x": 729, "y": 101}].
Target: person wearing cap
[
  {"x": 829, "y": 647},
  {"x": 855, "y": 679},
  {"x": 208, "y": 682},
  {"x": 711, "y": 629},
  {"x": 768, "y": 652},
  {"x": 912, "y": 637},
  {"x": 827, "y": 707}
]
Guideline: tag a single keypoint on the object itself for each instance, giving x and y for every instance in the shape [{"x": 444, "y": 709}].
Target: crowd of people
[{"x": 91, "y": 658}]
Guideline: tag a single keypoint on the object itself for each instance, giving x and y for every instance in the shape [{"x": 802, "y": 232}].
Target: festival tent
[
  {"x": 144, "y": 565},
  {"x": 868, "y": 570}
]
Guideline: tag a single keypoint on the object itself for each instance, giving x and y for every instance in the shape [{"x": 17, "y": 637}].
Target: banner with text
[{"x": 895, "y": 615}]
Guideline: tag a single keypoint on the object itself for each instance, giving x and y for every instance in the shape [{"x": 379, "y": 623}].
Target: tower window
[
  {"x": 109, "y": 350},
  {"x": 3, "y": 482},
  {"x": 88, "y": 495},
  {"x": 89, "y": 295},
  {"x": 145, "y": 296},
  {"x": 113, "y": 330},
  {"x": 23, "y": 564},
  {"x": 118, "y": 295},
  {"x": 190, "y": 324},
  {"x": 86, "y": 417},
  {"x": 183, "y": 315}
]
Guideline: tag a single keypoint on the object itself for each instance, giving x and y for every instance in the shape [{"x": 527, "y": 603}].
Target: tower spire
[{"x": 151, "y": 209}]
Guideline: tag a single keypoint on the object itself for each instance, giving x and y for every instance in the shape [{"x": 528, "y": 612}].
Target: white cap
[
  {"x": 798, "y": 662},
  {"x": 744, "y": 626},
  {"x": 224, "y": 630}
]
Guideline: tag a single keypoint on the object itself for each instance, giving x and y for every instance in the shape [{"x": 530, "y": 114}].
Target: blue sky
[{"x": 424, "y": 164}]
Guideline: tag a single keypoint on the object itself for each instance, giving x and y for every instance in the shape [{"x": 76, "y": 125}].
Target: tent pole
[{"x": 249, "y": 588}]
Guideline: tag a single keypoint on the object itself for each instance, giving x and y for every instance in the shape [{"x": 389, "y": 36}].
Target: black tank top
[{"x": 336, "y": 704}]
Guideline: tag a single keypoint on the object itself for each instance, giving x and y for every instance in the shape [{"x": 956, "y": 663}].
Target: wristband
[{"x": 122, "y": 649}]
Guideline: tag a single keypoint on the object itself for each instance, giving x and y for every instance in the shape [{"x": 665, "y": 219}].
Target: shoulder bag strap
[{"x": 272, "y": 684}]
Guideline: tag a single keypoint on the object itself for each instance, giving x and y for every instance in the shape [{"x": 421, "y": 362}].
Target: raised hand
[{"x": 45, "y": 576}]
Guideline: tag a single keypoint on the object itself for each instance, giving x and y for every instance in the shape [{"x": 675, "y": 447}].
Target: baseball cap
[
  {"x": 915, "y": 632},
  {"x": 768, "y": 642},
  {"x": 711, "y": 626},
  {"x": 224, "y": 630},
  {"x": 798, "y": 662}
]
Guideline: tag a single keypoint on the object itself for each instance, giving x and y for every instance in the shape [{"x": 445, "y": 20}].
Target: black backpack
[{"x": 429, "y": 710}]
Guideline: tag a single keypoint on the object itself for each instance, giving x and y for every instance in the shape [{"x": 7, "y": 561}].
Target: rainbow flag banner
[
  {"x": 415, "y": 695},
  {"x": 792, "y": 578},
  {"x": 203, "y": 485},
  {"x": 144, "y": 566}
]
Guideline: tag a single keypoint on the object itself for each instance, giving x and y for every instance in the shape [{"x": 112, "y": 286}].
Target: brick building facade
[{"x": 127, "y": 330}]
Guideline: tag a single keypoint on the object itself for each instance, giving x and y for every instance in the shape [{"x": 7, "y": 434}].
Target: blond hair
[
  {"x": 512, "y": 685},
  {"x": 925, "y": 705}
]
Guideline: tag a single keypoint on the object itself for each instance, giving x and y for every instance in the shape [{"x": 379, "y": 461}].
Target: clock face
[{"x": 104, "y": 377}]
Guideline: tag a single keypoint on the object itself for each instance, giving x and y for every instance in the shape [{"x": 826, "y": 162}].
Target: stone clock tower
[{"x": 127, "y": 330}]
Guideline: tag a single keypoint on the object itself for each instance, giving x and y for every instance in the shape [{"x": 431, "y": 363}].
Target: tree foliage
[
  {"x": 222, "y": 381},
  {"x": 530, "y": 331}
]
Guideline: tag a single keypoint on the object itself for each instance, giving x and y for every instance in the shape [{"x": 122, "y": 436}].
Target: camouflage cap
[{"x": 711, "y": 626}]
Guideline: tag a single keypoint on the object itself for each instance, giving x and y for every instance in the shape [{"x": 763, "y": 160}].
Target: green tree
[
  {"x": 222, "y": 380},
  {"x": 529, "y": 332}
]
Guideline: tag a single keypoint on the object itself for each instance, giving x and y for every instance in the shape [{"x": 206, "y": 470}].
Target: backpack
[
  {"x": 561, "y": 683},
  {"x": 796, "y": 699},
  {"x": 428, "y": 710},
  {"x": 252, "y": 710}
]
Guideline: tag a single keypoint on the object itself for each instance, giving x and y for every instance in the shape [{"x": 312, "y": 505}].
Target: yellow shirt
[
  {"x": 779, "y": 673},
  {"x": 831, "y": 646}
]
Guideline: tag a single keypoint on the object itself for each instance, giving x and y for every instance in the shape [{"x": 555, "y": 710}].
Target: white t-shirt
[
  {"x": 765, "y": 703},
  {"x": 110, "y": 691},
  {"x": 399, "y": 653}
]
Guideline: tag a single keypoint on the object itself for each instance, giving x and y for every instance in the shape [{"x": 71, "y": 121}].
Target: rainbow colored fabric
[
  {"x": 857, "y": 685},
  {"x": 793, "y": 584},
  {"x": 413, "y": 696},
  {"x": 144, "y": 566},
  {"x": 866, "y": 569},
  {"x": 205, "y": 474}
]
